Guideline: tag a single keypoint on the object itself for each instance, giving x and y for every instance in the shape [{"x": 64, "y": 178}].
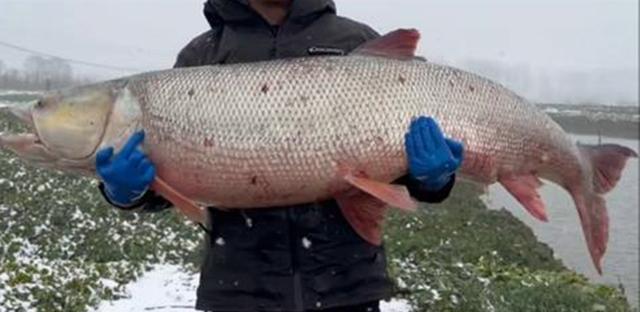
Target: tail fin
[
  {"x": 607, "y": 162},
  {"x": 592, "y": 210}
]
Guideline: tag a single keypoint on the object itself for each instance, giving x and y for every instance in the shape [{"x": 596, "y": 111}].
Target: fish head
[{"x": 66, "y": 127}]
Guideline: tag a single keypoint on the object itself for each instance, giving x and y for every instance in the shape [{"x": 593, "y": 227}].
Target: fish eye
[{"x": 39, "y": 104}]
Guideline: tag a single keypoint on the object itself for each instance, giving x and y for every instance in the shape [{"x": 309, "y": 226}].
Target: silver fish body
[{"x": 277, "y": 133}]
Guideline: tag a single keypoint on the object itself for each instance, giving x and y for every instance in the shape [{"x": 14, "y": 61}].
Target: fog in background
[{"x": 573, "y": 51}]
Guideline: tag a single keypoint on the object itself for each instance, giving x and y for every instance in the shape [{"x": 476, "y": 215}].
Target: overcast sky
[{"x": 550, "y": 50}]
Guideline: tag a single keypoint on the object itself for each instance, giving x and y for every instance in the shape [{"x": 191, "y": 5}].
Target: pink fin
[
  {"x": 364, "y": 213},
  {"x": 185, "y": 205},
  {"x": 594, "y": 218},
  {"x": 524, "y": 189},
  {"x": 394, "y": 195},
  {"x": 607, "y": 161},
  {"x": 398, "y": 44}
]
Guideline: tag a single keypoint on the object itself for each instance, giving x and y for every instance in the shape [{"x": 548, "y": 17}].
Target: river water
[{"x": 564, "y": 234}]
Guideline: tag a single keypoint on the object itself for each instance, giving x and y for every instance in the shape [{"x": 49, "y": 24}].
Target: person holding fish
[
  {"x": 301, "y": 150},
  {"x": 299, "y": 156},
  {"x": 313, "y": 257}
]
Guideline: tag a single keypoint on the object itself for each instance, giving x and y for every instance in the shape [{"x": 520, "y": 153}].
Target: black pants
[{"x": 373, "y": 306}]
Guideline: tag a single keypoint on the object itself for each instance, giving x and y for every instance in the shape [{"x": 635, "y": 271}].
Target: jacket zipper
[
  {"x": 298, "y": 304},
  {"x": 295, "y": 266}
]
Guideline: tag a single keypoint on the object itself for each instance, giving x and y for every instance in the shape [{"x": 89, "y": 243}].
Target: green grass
[
  {"x": 63, "y": 249},
  {"x": 460, "y": 256}
]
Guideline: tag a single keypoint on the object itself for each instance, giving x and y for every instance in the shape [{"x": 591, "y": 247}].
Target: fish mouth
[
  {"x": 19, "y": 141},
  {"x": 27, "y": 145}
]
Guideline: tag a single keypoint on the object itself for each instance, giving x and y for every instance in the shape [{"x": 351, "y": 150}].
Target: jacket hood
[{"x": 219, "y": 11}]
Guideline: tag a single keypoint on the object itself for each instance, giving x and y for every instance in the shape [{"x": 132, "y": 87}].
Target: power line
[{"x": 74, "y": 61}]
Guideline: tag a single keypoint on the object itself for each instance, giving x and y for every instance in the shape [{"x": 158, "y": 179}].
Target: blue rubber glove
[
  {"x": 432, "y": 158},
  {"x": 127, "y": 175}
]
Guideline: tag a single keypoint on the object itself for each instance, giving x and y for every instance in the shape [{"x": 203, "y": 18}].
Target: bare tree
[{"x": 47, "y": 73}]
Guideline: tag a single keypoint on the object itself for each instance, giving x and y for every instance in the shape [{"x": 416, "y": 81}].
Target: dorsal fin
[{"x": 398, "y": 44}]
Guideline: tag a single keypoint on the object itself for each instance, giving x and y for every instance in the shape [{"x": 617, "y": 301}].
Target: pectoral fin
[
  {"x": 393, "y": 195},
  {"x": 364, "y": 213},
  {"x": 365, "y": 206},
  {"x": 185, "y": 205}
]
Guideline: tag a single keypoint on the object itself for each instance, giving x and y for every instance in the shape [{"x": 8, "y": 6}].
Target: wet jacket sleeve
[
  {"x": 419, "y": 192},
  {"x": 150, "y": 202}
]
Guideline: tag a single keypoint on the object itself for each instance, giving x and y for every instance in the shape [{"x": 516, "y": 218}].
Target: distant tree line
[
  {"x": 38, "y": 73},
  {"x": 610, "y": 86}
]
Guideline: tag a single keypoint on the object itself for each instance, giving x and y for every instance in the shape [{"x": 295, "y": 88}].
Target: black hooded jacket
[{"x": 298, "y": 258}]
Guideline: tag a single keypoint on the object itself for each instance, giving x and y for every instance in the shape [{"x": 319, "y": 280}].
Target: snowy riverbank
[{"x": 169, "y": 288}]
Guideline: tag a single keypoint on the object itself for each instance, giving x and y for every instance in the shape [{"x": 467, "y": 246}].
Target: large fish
[{"x": 307, "y": 129}]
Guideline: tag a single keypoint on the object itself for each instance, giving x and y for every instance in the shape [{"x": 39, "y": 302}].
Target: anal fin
[
  {"x": 364, "y": 213},
  {"x": 185, "y": 205},
  {"x": 525, "y": 189}
]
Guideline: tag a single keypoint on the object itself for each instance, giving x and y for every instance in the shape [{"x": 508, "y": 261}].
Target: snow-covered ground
[
  {"x": 168, "y": 288},
  {"x": 14, "y": 92}
]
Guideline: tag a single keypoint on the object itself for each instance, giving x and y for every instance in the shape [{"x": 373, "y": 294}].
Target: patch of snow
[
  {"x": 169, "y": 288},
  {"x": 109, "y": 283},
  {"x": 12, "y": 92},
  {"x": 248, "y": 221},
  {"x": 394, "y": 305},
  {"x": 435, "y": 294},
  {"x": 4, "y": 277},
  {"x": 306, "y": 243},
  {"x": 454, "y": 299},
  {"x": 166, "y": 288},
  {"x": 484, "y": 281},
  {"x": 220, "y": 241},
  {"x": 401, "y": 283}
]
